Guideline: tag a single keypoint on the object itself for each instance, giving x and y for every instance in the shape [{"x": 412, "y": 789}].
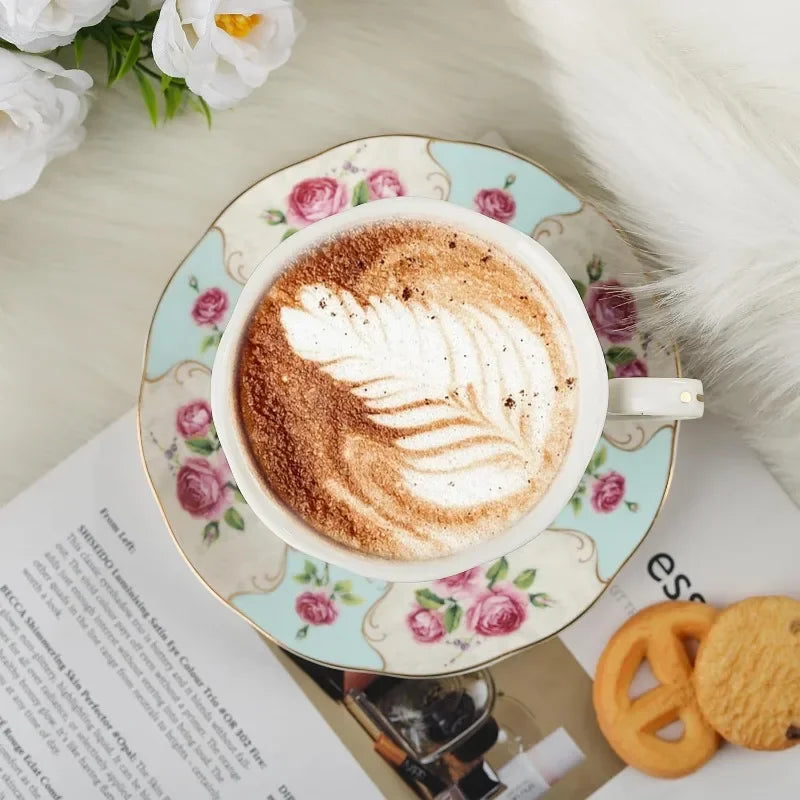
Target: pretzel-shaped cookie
[{"x": 630, "y": 725}]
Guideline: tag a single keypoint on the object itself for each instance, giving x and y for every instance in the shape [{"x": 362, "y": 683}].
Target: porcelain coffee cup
[{"x": 598, "y": 397}]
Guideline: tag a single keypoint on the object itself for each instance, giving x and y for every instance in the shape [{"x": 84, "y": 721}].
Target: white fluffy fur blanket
[{"x": 688, "y": 114}]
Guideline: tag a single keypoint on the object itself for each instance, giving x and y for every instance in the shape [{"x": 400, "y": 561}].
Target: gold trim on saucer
[
  {"x": 369, "y": 614},
  {"x": 443, "y": 174}
]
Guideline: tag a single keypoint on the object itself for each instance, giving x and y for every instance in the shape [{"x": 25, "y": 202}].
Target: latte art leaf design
[{"x": 468, "y": 387}]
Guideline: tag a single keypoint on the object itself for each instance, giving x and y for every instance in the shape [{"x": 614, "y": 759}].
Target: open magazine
[{"x": 121, "y": 676}]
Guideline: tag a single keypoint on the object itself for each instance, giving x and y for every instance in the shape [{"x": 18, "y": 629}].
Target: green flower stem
[{"x": 152, "y": 73}]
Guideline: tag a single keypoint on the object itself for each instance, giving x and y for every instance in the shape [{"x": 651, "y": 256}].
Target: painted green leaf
[
  {"x": 302, "y": 578},
  {"x": 210, "y": 341},
  {"x": 166, "y": 80},
  {"x": 581, "y": 287},
  {"x": 202, "y": 447},
  {"x": 302, "y": 633},
  {"x": 234, "y": 519},
  {"x": 427, "y": 599},
  {"x": 238, "y": 495},
  {"x": 540, "y": 600},
  {"x": 360, "y": 193},
  {"x": 343, "y": 586},
  {"x": 148, "y": 95},
  {"x": 599, "y": 458},
  {"x": 211, "y": 533},
  {"x": 193, "y": 284},
  {"x": 497, "y": 571},
  {"x": 577, "y": 504},
  {"x": 351, "y": 599},
  {"x": 525, "y": 579},
  {"x": 274, "y": 216},
  {"x": 309, "y": 567},
  {"x": 594, "y": 269},
  {"x": 618, "y": 356},
  {"x": 287, "y": 233},
  {"x": 452, "y": 617}
]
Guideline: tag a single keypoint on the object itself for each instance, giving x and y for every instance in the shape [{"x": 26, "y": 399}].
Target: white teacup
[{"x": 598, "y": 397}]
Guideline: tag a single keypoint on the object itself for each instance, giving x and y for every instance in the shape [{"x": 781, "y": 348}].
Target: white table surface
[{"x": 85, "y": 255}]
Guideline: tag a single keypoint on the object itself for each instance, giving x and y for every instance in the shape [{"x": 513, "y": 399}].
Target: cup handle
[{"x": 670, "y": 398}]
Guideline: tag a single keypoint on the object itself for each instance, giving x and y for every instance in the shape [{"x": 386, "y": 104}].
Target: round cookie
[
  {"x": 747, "y": 673},
  {"x": 631, "y": 726}
]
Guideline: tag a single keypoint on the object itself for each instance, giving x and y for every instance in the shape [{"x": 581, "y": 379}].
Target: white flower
[
  {"x": 42, "y": 108},
  {"x": 224, "y": 48},
  {"x": 39, "y": 25}
]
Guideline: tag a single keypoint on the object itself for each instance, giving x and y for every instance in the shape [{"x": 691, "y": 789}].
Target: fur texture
[{"x": 689, "y": 117}]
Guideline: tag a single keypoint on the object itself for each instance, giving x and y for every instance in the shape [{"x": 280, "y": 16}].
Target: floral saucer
[{"x": 322, "y": 612}]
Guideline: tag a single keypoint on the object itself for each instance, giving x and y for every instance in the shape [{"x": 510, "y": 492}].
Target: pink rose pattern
[
  {"x": 633, "y": 369},
  {"x": 208, "y": 311},
  {"x": 316, "y": 608},
  {"x": 425, "y": 625},
  {"x": 497, "y": 204},
  {"x": 497, "y": 613},
  {"x": 210, "y": 307},
  {"x": 384, "y": 183},
  {"x": 321, "y": 607},
  {"x": 314, "y": 199},
  {"x": 202, "y": 488},
  {"x": 482, "y": 601},
  {"x": 193, "y": 419},
  {"x": 608, "y": 490},
  {"x": 459, "y": 581},
  {"x": 612, "y": 310}
]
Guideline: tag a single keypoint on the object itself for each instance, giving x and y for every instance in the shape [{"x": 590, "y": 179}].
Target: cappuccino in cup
[{"x": 406, "y": 388}]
